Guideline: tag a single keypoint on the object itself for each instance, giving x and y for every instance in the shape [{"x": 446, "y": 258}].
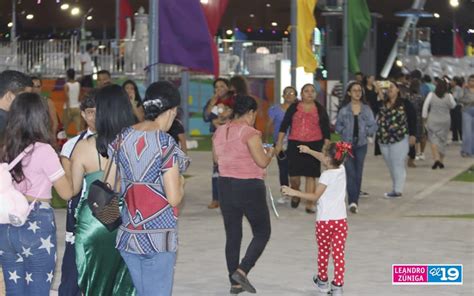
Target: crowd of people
[
  {"x": 138, "y": 146},
  {"x": 127, "y": 144}
]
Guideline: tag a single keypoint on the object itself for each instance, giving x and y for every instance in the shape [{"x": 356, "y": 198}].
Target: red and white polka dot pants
[{"x": 331, "y": 237}]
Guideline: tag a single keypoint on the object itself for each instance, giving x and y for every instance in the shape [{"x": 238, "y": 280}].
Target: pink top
[
  {"x": 233, "y": 154},
  {"x": 41, "y": 168},
  {"x": 305, "y": 125}
]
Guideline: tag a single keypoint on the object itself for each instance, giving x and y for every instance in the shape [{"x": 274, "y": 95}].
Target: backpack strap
[{"x": 12, "y": 164}]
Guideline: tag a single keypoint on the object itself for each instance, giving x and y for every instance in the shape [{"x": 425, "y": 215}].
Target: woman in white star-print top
[
  {"x": 331, "y": 217},
  {"x": 28, "y": 252}
]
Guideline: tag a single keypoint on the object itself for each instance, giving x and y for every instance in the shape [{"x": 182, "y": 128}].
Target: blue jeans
[
  {"x": 467, "y": 131},
  {"x": 354, "y": 170},
  {"x": 28, "y": 253},
  {"x": 394, "y": 156},
  {"x": 152, "y": 274}
]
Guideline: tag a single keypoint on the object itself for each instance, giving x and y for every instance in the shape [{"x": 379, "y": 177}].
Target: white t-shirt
[
  {"x": 88, "y": 65},
  {"x": 332, "y": 205},
  {"x": 68, "y": 147},
  {"x": 73, "y": 93}
]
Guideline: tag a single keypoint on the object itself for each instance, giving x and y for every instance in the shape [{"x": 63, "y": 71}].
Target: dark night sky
[
  {"x": 49, "y": 18},
  {"x": 48, "y": 14}
]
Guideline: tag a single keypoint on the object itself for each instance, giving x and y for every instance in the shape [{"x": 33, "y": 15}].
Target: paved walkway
[{"x": 383, "y": 233}]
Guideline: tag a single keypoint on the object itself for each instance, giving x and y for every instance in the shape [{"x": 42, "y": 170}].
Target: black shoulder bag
[{"x": 104, "y": 201}]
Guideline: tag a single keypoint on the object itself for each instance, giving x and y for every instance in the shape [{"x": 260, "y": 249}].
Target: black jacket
[{"x": 411, "y": 116}]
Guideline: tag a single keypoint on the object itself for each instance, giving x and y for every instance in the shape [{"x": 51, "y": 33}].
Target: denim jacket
[{"x": 345, "y": 124}]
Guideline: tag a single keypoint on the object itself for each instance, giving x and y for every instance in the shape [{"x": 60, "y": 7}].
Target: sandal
[
  {"x": 243, "y": 281},
  {"x": 295, "y": 202}
]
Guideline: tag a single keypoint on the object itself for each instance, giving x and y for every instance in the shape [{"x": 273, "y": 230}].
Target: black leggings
[{"x": 238, "y": 198}]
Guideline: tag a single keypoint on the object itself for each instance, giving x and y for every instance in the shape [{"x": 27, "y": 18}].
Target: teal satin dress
[{"x": 101, "y": 269}]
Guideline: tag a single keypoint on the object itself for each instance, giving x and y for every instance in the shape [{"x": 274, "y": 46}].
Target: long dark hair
[
  {"x": 240, "y": 85},
  {"x": 28, "y": 122},
  {"x": 441, "y": 88},
  {"x": 113, "y": 113},
  {"x": 138, "y": 98},
  {"x": 347, "y": 97}
]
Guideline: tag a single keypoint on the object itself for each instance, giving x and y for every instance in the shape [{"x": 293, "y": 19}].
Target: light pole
[
  {"x": 83, "y": 23},
  {"x": 13, "y": 29},
  {"x": 294, "y": 41},
  {"x": 153, "y": 45},
  {"x": 454, "y": 4}
]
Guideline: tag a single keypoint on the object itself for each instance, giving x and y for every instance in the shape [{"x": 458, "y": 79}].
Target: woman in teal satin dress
[{"x": 101, "y": 269}]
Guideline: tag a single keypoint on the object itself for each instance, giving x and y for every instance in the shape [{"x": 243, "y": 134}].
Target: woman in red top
[
  {"x": 309, "y": 125},
  {"x": 242, "y": 160}
]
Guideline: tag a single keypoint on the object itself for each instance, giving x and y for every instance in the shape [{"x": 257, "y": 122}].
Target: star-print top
[
  {"x": 392, "y": 124},
  {"x": 149, "y": 222}
]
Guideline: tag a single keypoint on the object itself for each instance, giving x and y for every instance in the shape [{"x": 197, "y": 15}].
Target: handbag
[
  {"x": 15, "y": 208},
  {"x": 103, "y": 200}
]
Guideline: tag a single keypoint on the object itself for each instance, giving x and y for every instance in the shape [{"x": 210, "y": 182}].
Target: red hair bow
[{"x": 342, "y": 149}]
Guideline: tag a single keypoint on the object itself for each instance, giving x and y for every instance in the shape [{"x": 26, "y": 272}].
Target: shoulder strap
[
  {"x": 81, "y": 136},
  {"x": 98, "y": 157},
  {"x": 12, "y": 164},
  {"x": 113, "y": 159}
]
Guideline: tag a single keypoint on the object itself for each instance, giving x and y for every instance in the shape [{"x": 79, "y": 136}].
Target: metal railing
[{"x": 51, "y": 58}]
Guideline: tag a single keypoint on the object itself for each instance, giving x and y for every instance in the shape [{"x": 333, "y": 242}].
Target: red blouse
[{"x": 305, "y": 125}]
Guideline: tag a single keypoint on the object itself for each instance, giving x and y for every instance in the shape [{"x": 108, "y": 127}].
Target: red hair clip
[{"x": 342, "y": 149}]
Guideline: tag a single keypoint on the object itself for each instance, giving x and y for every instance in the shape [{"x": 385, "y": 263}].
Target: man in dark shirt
[{"x": 11, "y": 84}]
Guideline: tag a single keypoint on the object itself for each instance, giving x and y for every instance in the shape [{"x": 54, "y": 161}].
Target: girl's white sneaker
[{"x": 321, "y": 287}]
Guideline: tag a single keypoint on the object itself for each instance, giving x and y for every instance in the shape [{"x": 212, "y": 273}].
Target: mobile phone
[
  {"x": 384, "y": 83},
  {"x": 267, "y": 145}
]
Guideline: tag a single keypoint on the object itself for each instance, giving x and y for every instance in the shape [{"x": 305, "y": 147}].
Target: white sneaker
[
  {"x": 421, "y": 156},
  {"x": 336, "y": 290},
  {"x": 353, "y": 208},
  {"x": 282, "y": 200},
  {"x": 322, "y": 287}
]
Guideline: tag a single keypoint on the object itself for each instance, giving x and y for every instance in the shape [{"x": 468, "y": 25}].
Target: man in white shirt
[{"x": 87, "y": 66}]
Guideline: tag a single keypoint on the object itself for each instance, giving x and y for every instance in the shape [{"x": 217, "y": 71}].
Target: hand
[
  {"x": 412, "y": 140},
  {"x": 288, "y": 191},
  {"x": 278, "y": 149},
  {"x": 270, "y": 151},
  {"x": 213, "y": 100},
  {"x": 304, "y": 149}
]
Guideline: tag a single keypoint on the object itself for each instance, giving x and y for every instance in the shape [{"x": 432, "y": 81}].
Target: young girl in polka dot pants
[{"x": 331, "y": 222}]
